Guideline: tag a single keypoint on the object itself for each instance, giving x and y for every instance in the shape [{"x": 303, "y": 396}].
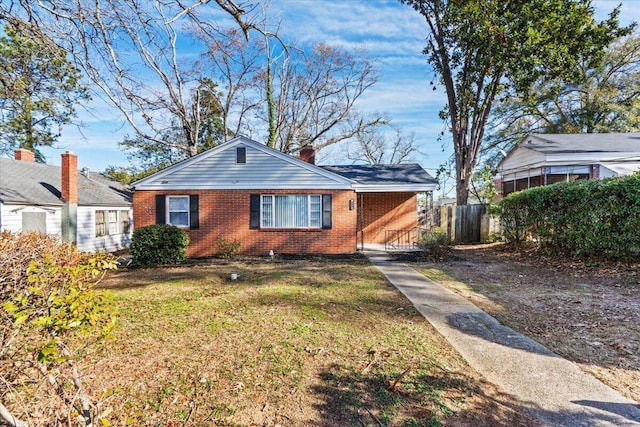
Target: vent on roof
[{"x": 241, "y": 155}]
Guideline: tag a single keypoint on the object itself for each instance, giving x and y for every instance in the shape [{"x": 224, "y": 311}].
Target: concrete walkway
[{"x": 553, "y": 390}]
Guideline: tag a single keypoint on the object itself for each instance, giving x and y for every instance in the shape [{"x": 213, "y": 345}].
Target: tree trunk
[
  {"x": 462, "y": 180},
  {"x": 271, "y": 140}
]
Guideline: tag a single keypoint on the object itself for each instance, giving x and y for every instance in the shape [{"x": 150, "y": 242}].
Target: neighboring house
[
  {"x": 87, "y": 208},
  {"x": 269, "y": 201},
  {"x": 543, "y": 159}
]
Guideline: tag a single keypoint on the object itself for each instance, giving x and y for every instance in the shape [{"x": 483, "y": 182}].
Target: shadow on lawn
[
  {"x": 351, "y": 398},
  {"x": 442, "y": 398}
]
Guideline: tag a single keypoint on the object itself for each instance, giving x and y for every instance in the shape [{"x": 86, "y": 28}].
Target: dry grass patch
[
  {"x": 588, "y": 313},
  {"x": 295, "y": 343}
]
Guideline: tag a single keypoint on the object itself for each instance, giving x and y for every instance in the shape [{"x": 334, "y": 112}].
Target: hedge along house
[
  {"x": 544, "y": 159},
  {"x": 87, "y": 208},
  {"x": 269, "y": 201}
]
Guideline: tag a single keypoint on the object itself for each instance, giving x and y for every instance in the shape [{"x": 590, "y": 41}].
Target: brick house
[{"x": 269, "y": 201}]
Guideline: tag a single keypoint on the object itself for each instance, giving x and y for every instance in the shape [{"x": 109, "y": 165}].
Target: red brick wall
[
  {"x": 24, "y": 155},
  {"x": 387, "y": 211},
  {"x": 70, "y": 177},
  {"x": 225, "y": 213}
]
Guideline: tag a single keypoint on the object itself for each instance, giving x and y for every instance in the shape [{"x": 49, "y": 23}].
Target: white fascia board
[
  {"x": 103, "y": 206},
  {"x": 572, "y": 158},
  {"x": 240, "y": 186},
  {"x": 396, "y": 188},
  {"x": 532, "y": 166},
  {"x": 38, "y": 205},
  {"x": 544, "y": 164}
]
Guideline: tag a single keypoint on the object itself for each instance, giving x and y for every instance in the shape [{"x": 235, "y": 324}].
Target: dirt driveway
[{"x": 587, "y": 312}]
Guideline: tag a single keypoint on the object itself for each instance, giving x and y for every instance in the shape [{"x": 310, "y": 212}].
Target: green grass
[{"x": 296, "y": 343}]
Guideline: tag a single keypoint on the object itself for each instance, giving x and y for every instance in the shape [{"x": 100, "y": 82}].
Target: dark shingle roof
[
  {"x": 410, "y": 173},
  {"x": 37, "y": 183},
  {"x": 584, "y": 143}
]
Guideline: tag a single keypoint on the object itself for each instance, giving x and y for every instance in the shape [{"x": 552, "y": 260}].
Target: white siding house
[
  {"x": 39, "y": 197},
  {"x": 543, "y": 159}
]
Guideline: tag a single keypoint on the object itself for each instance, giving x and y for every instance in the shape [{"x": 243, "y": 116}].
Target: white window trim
[
  {"x": 119, "y": 226},
  {"x": 273, "y": 211},
  {"x": 168, "y": 210},
  {"x": 104, "y": 223}
]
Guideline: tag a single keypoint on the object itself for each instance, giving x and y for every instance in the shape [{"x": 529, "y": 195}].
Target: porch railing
[{"x": 401, "y": 240}]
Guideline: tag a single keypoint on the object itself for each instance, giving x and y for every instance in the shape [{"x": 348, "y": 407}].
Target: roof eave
[
  {"x": 394, "y": 188},
  {"x": 240, "y": 186}
]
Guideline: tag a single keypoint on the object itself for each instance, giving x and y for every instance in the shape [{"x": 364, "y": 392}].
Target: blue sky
[{"x": 391, "y": 33}]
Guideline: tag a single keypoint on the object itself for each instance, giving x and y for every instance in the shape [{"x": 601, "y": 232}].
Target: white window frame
[
  {"x": 105, "y": 223},
  {"x": 125, "y": 226},
  {"x": 269, "y": 199},
  {"x": 188, "y": 211},
  {"x": 113, "y": 222},
  {"x": 120, "y": 227}
]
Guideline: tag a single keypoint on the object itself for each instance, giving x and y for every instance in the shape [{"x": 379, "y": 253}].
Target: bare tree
[
  {"x": 236, "y": 64},
  {"x": 131, "y": 51},
  {"x": 377, "y": 145},
  {"x": 314, "y": 97}
]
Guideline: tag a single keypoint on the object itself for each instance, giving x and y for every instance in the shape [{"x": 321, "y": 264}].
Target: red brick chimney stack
[
  {"x": 24, "y": 155},
  {"x": 70, "y": 178},
  {"x": 308, "y": 154}
]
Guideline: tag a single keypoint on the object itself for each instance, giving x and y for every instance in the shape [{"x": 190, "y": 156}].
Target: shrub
[
  {"x": 51, "y": 316},
  {"x": 436, "y": 243},
  {"x": 227, "y": 248},
  {"x": 159, "y": 244},
  {"x": 588, "y": 218}
]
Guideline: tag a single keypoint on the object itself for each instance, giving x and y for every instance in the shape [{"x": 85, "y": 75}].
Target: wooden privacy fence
[{"x": 463, "y": 224}]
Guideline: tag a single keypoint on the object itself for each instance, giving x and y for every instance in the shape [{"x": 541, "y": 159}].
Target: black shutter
[
  {"x": 160, "y": 209},
  {"x": 194, "y": 217},
  {"x": 326, "y": 211},
  {"x": 254, "y": 211}
]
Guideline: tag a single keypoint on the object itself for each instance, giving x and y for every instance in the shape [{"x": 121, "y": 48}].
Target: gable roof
[
  {"x": 23, "y": 182},
  {"x": 537, "y": 150},
  {"x": 266, "y": 168},
  {"x": 584, "y": 143},
  {"x": 402, "y": 177}
]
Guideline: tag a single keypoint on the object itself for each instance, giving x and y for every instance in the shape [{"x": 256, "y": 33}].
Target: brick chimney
[
  {"x": 70, "y": 177},
  {"x": 308, "y": 154},
  {"x": 69, "y": 192},
  {"x": 24, "y": 155}
]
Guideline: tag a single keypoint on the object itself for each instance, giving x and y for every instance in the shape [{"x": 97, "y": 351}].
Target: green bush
[
  {"x": 159, "y": 244},
  {"x": 588, "y": 218},
  {"x": 436, "y": 243},
  {"x": 227, "y": 248}
]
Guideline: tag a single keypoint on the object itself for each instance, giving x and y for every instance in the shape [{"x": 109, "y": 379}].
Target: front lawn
[{"x": 294, "y": 343}]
